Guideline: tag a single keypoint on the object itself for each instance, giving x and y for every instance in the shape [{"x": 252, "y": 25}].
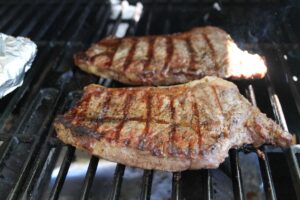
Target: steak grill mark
[
  {"x": 217, "y": 98},
  {"x": 105, "y": 108},
  {"x": 130, "y": 54},
  {"x": 125, "y": 113},
  {"x": 212, "y": 51},
  {"x": 149, "y": 53},
  {"x": 179, "y": 58},
  {"x": 169, "y": 53},
  {"x": 173, "y": 128},
  {"x": 110, "y": 54},
  {"x": 198, "y": 130},
  {"x": 147, "y": 121},
  {"x": 191, "y": 52},
  {"x": 170, "y": 146}
]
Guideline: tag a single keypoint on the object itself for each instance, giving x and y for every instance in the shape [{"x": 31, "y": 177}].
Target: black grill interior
[{"x": 30, "y": 152}]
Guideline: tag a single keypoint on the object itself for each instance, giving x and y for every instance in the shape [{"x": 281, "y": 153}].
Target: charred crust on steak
[
  {"x": 171, "y": 59},
  {"x": 189, "y": 126}
]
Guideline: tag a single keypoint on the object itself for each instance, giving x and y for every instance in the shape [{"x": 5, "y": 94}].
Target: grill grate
[{"x": 29, "y": 149}]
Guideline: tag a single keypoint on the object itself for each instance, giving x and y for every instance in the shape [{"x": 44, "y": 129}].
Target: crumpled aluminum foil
[{"x": 16, "y": 57}]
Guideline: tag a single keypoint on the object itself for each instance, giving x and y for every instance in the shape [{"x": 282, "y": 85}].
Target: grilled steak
[
  {"x": 174, "y": 128},
  {"x": 170, "y": 59}
]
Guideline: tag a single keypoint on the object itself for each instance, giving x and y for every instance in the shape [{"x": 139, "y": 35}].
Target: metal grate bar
[
  {"x": 33, "y": 73},
  {"x": 81, "y": 19},
  {"x": 277, "y": 109},
  {"x": 10, "y": 16},
  {"x": 6, "y": 148},
  {"x": 263, "y": 161},
  {"x": 101, "y": 16},
  {"x": 207, "y": 184},
  {"x": 289, "y": 153},
  {"x": 38, "y": 140},
  {"x": 3, "y": 11},
  {"x": 90, "y": 175},
  {"x": 46, "y": 25},
  {"x": 266, "y": 175},
  {"x": 294, "y": 167},
  {"x": 27, "y": 27},
  {"x": 19, "y": 94},
  {"x": 46, "y": 158},
  {"x": 38, "y": 172},
  {"x": 286, "y": 68},
  {"x": 236, "y": 175},
  {"x": 251, "y": 95},
  {"x": 116, "y": 24},
  {"x": 149, "y": 20},
  {"x": 21, "y": 19},
  {"x": 167, "y": 23},
  {"x": 176, "y": 186},
  {"x": 134, "y": 23},
  {"x": 14, "y": 193},
  {"x": 62, "y": 173},
  {"x": 67, "y": 19},
  {"x": 147, "y": 184},
  {"x": 117, "y": 182},
  {"x": 26, "y": 115}
]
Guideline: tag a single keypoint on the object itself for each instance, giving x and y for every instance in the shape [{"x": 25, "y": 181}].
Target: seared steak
[
  {"x": 189, "y": 126},
  {"x": 170, "y": 59}
]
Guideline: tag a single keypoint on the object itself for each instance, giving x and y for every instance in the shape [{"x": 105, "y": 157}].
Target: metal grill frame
[{"x": 55, "y": 48}]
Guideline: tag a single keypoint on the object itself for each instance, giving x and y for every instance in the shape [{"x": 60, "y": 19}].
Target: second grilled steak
[
  {"x": 190, "y": 126},
  {"x": 170, "y": 59}
]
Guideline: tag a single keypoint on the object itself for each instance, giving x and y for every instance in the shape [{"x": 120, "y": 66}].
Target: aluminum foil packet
[{"x": 16, "y": 57}]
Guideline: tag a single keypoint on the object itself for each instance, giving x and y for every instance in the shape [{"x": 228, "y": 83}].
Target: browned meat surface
[
  {"x": 170, "y": 59},
  {"x": 189, "y": 126}
]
